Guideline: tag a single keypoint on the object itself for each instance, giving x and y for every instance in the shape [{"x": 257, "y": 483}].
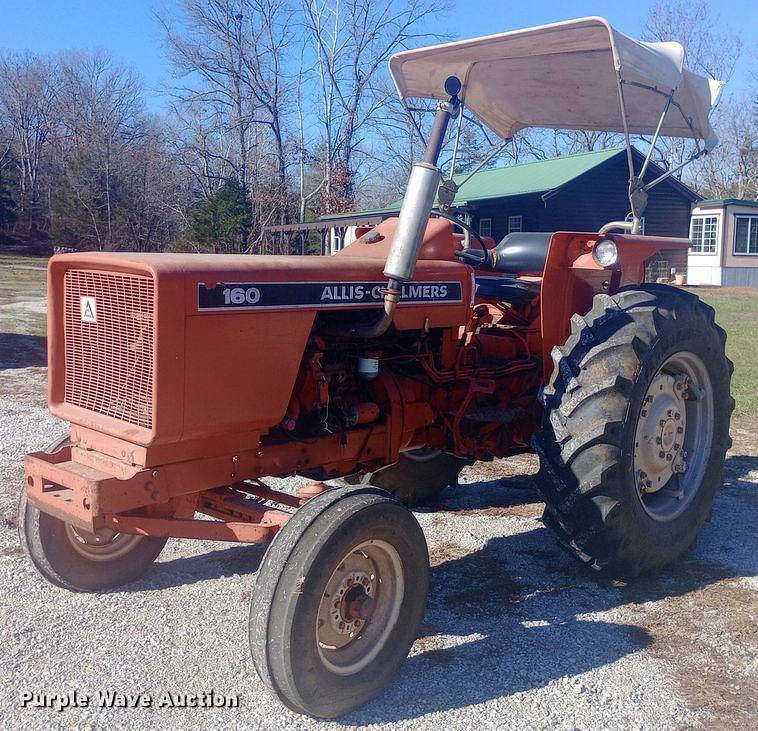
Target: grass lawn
[
  {"x": 22, "y": 290},
  {"x": 22, "y": 295},
  {"x": 737, "y": 312}
]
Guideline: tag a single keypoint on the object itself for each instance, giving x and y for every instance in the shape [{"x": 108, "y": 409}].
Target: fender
[{"x": 572, "y": 278}]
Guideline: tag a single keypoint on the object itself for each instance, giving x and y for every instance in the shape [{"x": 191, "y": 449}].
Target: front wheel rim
[
  {"x": 103, "y": 545},
  {"x": 674, "y": 436},
  {"x": 360, "y": 607}
]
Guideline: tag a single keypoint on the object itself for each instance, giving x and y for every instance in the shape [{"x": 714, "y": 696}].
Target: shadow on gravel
[
  {"x": 518, "y": 605},
  {"x": 22, "y": 351},
  {"x": 227, "y": 561},
  {"x": 737, "y": 468},
  {"x": 490, "y": 496}
]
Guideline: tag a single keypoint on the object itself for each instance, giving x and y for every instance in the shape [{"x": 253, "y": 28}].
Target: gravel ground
[{"x": 516, "y": 635}]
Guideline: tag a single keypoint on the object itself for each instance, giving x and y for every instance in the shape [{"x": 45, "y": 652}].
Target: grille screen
[{"x": 109, "y": 344}]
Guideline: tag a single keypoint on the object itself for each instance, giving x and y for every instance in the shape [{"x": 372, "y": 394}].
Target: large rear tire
[
  {"x": 635, "y": 429},
  {"x": 338, "y": 601}
]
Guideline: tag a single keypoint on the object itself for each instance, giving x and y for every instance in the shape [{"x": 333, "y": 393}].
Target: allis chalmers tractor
[{"x": 187, "y": 379}]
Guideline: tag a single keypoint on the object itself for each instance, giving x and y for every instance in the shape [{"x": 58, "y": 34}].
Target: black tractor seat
[
  {"x": 517, "y": 253},
  {"x": 506, "y": 289}
]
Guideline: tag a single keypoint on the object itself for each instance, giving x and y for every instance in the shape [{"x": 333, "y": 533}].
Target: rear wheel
[
  {"x": 79, "y": 560},
  {"x": 635, "y": 429},
  {"x": 419, "y": 475},
  {"x": 339, "y": 600}
]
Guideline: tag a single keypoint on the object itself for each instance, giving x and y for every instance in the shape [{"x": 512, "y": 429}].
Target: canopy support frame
[{"x": 638, "y": 190}]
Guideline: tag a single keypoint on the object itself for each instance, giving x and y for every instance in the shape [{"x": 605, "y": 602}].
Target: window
[
  {"x": 485, "y": 227},
  {"x": 703, "y": 232},
  {"x": 514, "y": 224},
  {"x": 746, "y": 234}
]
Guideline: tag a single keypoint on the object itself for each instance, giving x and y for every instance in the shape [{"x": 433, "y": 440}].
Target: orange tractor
[{"x": 187, "y": 379}]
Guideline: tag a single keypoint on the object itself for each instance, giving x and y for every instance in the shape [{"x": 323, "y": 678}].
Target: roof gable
[
  {"x": 539, "y": 176},
  {"x": 532, "y": 178}
]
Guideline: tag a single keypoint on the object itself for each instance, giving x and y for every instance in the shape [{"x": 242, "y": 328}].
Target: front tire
[
  {"x": 338, "y": 601},
  {"x": 635, "y": 429},
  {"x": 78, "y": 560}
]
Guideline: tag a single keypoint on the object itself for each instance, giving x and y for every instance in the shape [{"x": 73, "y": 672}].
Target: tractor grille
[{"x": 110, "y": 320}]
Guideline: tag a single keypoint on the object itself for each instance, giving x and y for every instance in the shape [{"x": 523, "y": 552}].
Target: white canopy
[{"x": 565, "y": 76}]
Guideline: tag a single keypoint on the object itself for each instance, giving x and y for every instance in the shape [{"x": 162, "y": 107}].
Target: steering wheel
[{"x": 475, "y": 259}]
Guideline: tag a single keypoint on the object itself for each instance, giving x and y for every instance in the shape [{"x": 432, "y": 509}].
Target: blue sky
[{"x": 129, "y": 29}]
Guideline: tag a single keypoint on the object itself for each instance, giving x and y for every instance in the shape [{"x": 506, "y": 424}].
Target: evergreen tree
[
  {"x": 221, "y": 224},
  {"x": 7, "y": 207}
]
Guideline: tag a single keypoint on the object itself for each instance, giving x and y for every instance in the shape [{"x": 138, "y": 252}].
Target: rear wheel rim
[
  {"x": 360, "y": 607},
  {"x": 102, "y": 545},
  {"x": 673, "y": 437}
]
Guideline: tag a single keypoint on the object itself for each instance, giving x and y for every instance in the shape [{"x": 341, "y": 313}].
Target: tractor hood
[{"x": 157, "y": 349}]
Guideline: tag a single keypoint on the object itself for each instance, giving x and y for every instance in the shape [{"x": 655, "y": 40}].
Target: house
[
  {"x": 570, "y": 193},
  {"x": 724, "y": 251}
]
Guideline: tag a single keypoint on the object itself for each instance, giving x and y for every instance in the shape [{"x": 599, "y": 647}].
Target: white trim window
[
  {"x": 485, "y": 227},
  {"x": 514, "y": 224},
  {"x": 745, "y": 235},
  {"x": 704, "y": 234}
]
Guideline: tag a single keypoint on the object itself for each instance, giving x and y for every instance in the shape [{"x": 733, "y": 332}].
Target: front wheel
[
  {"x": 339, "y": 600},
  {"x": 635, "y": 429},
  {"x": 79, "y": 560}
]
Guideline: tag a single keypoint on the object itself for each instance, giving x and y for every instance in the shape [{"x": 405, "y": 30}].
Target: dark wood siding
[
  {"x": 526, "y": 206},
  {"x": 593, "y": 199},
  {"x": 600, "y": 195}
]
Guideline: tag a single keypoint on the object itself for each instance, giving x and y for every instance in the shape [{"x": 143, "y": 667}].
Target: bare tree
[
  {"x": 709, "y": 52},
  {"x": 99, "y": 139},
  {"x": 352, "y": 41},
  {"x": 229, "y": 57},
  {"x": 731, "y": 170},
  {"x": 26, "y": 95}
]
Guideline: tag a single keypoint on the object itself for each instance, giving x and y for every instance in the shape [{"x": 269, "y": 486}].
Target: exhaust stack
[
  {"x": 417, "y": 205},
  {"x": 414, "y": 214}
]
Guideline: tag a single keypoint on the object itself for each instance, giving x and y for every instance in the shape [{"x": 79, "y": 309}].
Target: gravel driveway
[{"x": 516, "y": 635}]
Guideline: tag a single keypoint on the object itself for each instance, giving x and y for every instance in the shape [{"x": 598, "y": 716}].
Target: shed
[
  {"x": 724, "y": 233},
  {"x": 569, "y": 193}
]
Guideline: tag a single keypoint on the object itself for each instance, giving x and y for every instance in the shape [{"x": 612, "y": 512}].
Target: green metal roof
[
  {"x": 540, "y": 176},
  {"x": 727, "y": 202}
]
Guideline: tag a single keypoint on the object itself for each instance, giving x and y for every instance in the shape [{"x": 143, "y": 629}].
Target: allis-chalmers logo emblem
[{"x": 88, "y": 307}]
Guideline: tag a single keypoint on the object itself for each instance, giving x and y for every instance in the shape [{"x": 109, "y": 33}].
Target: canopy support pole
[
  {"x": 656, "y": 135},
  {"x": 634, "y": 225},
  {"x": 409, "y": 112},
  {"x": 694, "y": 156},
  {"x": 457, "y": 138}
]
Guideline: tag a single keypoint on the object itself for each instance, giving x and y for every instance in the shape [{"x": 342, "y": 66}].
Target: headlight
[{"x": 605, "y": 253}]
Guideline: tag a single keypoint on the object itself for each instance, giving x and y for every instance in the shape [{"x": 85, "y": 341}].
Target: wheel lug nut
[
  {"x": 669, "y": 413},
  {"x": 643, "y": 412},
  {"x": 657, "y": 440},
  {"x": 677, "y": 416},
  {"x": 669, "y": 458},
  {"x": 677, "y": 447},
  {"x": 661, "y": 454},
  {"x": 662, "y": 422},
  {"x": 680, "y": 430}
]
